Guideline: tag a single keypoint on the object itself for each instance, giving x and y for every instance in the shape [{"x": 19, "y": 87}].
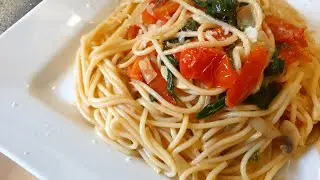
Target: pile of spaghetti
[{"x": 202, "y": 89}]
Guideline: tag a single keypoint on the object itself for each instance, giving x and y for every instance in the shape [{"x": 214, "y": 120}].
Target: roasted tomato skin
[
  {"x": 162, "y": 11},
  {"x": 293, "y": 53},
  {"x": 210, "y": 66},
  {"x": 148, "y": 18},
  {"x": 285, "y": 32},
  {"x": 249, "y": 76},
  {"x": 132, "y": 32},
  {"x": 165, "y": 11},
  {"x": 158, "y": 84}
]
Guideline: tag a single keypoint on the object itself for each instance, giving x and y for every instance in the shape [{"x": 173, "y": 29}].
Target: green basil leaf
[
  {"x": 170, "y": 85},
  {"x": 264, "y": 96},
  {"x": 191, "y": 25},
  {"x": 172, "y": 41},
  {"x": 225, "y": 10},
  {"x": 173, "y": 61},
  {"x": 201, "y": 3},
  {"x": 170, "y": 77},
  {"x": 276, "y": 66},
  {"x": 210, "y": 109}
]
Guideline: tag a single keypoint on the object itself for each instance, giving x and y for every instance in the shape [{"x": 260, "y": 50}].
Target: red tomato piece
[
  {"x": 204, "y": 64},
  {"x": 165, "y": 11},
  {"x": 134, "y": 71},
  {"x": 285, "y": 32},
  {"x": 158, "y": 83},
  {"x": 177, "y": 56},
  {"x": 225, "y": 75},
  {"x": 249, "y": 76},
  {"x": 148, "y": 18},
  {"x": 198, "y": 61},
  {"x": 132, "y": 32},
  {"x": 292, "y": 53}
]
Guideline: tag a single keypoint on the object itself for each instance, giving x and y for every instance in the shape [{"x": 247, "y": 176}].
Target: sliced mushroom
[
  {"x": 245, "y": 17},
  {"x": 286, "y": 145},
  {"x": 265, "y": 127},
  {"x": 289, "y": 130}
]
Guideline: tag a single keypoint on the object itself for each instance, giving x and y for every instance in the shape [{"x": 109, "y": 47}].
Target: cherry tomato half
[
  {"x": 285, "y": 32},
  {"x": 211, "y": 66},
  {"x": 249, "y": 76}
]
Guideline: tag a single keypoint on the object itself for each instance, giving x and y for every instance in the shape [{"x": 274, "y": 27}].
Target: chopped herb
[
  {"x": 201, "y": 3},
  {"x": 210, "y": 109},
  {"x": 254, "y": 157},
  {"x": 222, "y": 95},
  {"x": 276, "y": 66},
  {"x": 173, "y": 41},
  {"x": 225, "y": 10},
  {"x": 191, "y": 25},
  {"x": 264, "y": 96},
  {"x": 170, "y": 41},
  {"x": 170, "y": 85},
  {"x": 173, "y": 61},
  {"x": 152, "y": 99}
]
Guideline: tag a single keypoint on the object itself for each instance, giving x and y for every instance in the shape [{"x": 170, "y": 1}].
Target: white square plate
[{"x": 39, "y": 127}]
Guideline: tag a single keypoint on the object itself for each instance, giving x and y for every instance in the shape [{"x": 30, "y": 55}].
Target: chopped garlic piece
[
  {"x": 252, "y": 33},
  {"x": 147, "y": 70}
]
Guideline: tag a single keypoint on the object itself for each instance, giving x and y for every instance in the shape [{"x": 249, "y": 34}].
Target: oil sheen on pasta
[{"x": 202, "y": 89}]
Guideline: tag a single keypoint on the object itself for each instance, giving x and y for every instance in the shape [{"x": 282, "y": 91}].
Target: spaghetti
[{"x": 201, "y": 92}]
